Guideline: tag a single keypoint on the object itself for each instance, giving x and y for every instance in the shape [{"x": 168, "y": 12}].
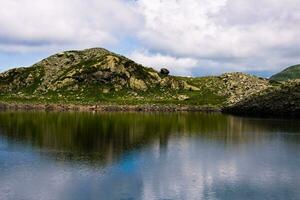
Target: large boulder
[
  {"x": 137, "y": 84},
  {"x": 164, "y": 71}
]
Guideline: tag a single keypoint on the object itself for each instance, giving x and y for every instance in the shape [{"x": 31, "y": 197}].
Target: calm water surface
[{"x": 185, "y": 156}]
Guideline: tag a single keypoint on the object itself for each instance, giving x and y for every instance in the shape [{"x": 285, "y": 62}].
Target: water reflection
[{"x": 147, "y": 156}]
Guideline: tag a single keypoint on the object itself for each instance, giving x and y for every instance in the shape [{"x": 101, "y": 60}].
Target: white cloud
[
  {"x": 219, "y": 28},
  {"x": 189, "y": 35},
  {"x": 29, "y": 25},
  {"x": 178, "y": 66},
  {"x": 257, "y": 35}
]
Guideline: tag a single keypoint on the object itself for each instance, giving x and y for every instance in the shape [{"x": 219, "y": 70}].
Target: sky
[{"x": 189, "y": 37}]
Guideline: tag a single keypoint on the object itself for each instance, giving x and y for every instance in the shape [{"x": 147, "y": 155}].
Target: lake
[{"x": 122, "y": 156}]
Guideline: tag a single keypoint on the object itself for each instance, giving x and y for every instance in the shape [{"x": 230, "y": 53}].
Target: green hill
[
  {"x": 290, "y": 73},
  {"x": 99, "y": 77}
]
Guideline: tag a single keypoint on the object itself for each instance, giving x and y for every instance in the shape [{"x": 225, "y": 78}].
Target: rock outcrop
[
  {"x": 240, "y": 86},
  {"x": 277, "y": 100}
]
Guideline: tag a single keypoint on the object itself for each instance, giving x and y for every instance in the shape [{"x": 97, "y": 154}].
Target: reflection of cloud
[
  {"x": 208, "y": 171},
  {"x": 189, "y": 169},
  {"x": 35, "y": 184}
]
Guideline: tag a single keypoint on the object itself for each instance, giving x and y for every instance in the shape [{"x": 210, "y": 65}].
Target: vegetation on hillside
[
  {"x": 99, "y": 77},
  {"x": 102, "y": 77},
  {"x": 290, "y": 73}
]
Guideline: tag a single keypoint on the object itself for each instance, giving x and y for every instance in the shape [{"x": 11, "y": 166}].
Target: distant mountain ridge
[{"x": 290, "y": 73}]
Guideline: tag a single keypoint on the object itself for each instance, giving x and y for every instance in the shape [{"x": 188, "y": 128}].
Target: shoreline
[
  {"x": 104, "y": 108},
  {"x": 56, "y": 107}
]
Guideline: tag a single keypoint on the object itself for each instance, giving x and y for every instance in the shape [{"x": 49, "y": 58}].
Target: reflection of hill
[{"x": 106, "y": 136}]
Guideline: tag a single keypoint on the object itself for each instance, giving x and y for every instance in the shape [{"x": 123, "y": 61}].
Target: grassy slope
[
  {"x": 92, "y": 93},
  {"x": 288, "y": 74}
]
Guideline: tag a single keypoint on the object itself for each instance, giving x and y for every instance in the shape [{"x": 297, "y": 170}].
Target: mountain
[
  {"x": 77, "y": 70},
  {"x": 290, "y": 73},
  {"x": 98, "y": 76},
  {"x": 93, "y": 75}
]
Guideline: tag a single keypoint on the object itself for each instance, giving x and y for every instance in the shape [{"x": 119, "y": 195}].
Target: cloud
[
  {"x": 220, "y": 28},
  {"x": 191, "y": 36},
  {"x": 190, "y": 66},
  {"x": 32, "y": 25},
  {"x": 257, "y": 35},
  {"x": 178, "y": 66}
]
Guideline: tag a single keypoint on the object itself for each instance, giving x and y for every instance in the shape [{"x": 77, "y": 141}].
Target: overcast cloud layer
[{"x": 191, "y": 37}]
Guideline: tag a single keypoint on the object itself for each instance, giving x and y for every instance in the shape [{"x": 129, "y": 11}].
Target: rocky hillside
[
  {"x": 102, "y": 77},
  {"x": 239, "y": 86},
  {"x": 283, "y": 99},
  {"x": 234, "y": 86},
  {"x": 88, "y": 76},
  {"x": 74, "y": 70},
  {"x": 290, "y": 73}
]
